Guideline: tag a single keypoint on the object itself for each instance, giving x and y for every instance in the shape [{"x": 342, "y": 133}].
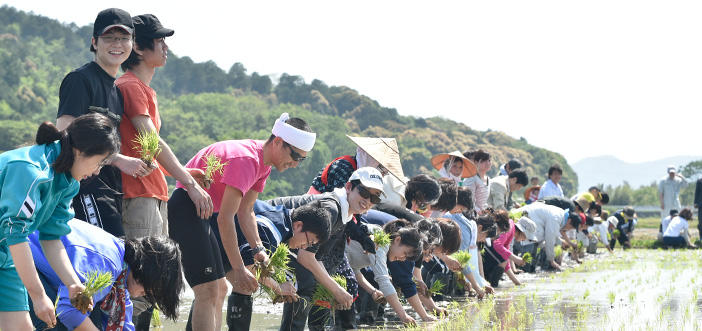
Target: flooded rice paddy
[{"x": 632, "y": 290}]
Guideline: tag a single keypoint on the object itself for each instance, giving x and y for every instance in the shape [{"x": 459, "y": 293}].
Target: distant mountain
[{"x": 609, "y": 170}]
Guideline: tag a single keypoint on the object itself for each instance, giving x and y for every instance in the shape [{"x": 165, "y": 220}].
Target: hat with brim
[
  {"x": 149, "y": 26},
  {"x": 469, "y": 168},
  {"x": 527, "y": 192},
  {"x": 528, "y": 227},
  {"x": 383, "y": 150}
]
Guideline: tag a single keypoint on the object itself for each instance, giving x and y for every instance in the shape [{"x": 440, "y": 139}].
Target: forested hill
[{"x": 200, "y": 103}]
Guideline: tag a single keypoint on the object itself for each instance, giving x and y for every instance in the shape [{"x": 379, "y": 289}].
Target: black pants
[
  {"x": 101, "y": 210},
  {"x": 623, "y": 238}
]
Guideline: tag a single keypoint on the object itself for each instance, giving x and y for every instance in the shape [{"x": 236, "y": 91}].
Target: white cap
[
  {"x": 369, "y": 177},
  {"x": 528, "y": 227},
  {"x": 671, "y": 168}
]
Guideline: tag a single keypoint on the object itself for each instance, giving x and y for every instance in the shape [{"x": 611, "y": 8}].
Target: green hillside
[{"x": 200, "y": 103}]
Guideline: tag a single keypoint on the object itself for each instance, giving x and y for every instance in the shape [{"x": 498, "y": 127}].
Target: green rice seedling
[
  {"x": 515, "y": 215},
  {"x": 276, "y": 268},
  {"x": 586, "y": 294},
  {"x": 611, "y": 296},
  {"x": 324, "y": 298},
  {"x": 436, "y": 287},
  {"x": 213, "y": 165},
  {"x": 527, "y": 257},
  {"x": 156, "y": 319},
  {"x": 632, "y": 296},
  {"x": 381, "y": 238},
  {"x": 559, "y": 253},
  {"x": 94, "y": 282},
  {"x": 147, "y": 145},
  {"x": 462, "y": 256},
  {"x": 616, "y": 233}
]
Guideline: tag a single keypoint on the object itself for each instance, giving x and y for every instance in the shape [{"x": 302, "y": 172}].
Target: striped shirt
[{"x": 480, "y": 191}]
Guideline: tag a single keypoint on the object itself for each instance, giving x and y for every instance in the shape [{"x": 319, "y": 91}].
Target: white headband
[{"x": 301, "y": 139}]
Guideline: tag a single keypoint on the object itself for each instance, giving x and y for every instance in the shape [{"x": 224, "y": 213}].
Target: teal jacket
[{"x": 34, "y": 197}]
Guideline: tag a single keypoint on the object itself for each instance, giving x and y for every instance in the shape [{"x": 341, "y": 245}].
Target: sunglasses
[
  {"x": 374, "y": 199},
  {"x": 295, "y": 156}
]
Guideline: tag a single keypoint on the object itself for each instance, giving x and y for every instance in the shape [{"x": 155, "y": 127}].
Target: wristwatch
[{"x": 257, "y": 249}]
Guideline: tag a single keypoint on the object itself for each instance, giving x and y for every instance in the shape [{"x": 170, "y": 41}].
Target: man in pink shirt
[{"x": 246, "y": 166}]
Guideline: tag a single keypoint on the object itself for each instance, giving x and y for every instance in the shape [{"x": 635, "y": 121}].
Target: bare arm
[
  {"x": 56, "y": 255},
  {"x": 308, "y": 260},
  {"x": 24, "y": 264},
  {"x": 230, "y": 204},
  {"x": 247, "y": 222}
]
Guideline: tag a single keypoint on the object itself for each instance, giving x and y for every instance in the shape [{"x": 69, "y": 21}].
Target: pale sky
[{"x": 584, "y": 79}]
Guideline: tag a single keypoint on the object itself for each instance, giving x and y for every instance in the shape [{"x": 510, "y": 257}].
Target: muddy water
[{"x": 633, "y": 290}]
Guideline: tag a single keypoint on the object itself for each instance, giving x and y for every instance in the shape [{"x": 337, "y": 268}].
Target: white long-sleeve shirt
[
  {"x": 550, "y": 189},
  {"x": 549, "y": 220},
  {"x": 378, "y": 262}
]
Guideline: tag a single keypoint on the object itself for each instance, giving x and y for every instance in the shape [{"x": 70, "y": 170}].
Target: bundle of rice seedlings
[
  {"x": 436, "y": 288},
  {"x": 559, "y": 253},
  {"x": 463, "y": 257},
  {"x": 580, "y": 246},
  {"x": 324, "y": 298},
  {"x": 95, "y": 281},
  {"x": 527, "y": 257},
  {"x": 616, "y": 233},
  {"x": 381, "y": 238},
  {"x": 147, "y": 145},
  {"x": 515, "y": 215},
  {"x": 213, "y": 165},
  {"x": 276, "y": 268},
  {"x": 156, "y": 319}
]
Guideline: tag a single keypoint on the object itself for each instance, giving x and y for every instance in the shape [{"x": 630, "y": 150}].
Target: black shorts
[
  {"x": 202, "y": 261},
  {"x": 101, "y": 210}
]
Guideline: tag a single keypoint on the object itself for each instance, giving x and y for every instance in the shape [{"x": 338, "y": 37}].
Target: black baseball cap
[
  {"x": 149, "y": 26},
  {"x": 112, "y": 18}
]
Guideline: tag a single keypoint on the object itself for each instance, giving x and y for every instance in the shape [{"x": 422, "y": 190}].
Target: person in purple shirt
[{"x": 148, "y": 266}]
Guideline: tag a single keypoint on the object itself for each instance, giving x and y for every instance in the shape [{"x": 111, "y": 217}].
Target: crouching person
[
  {"x": 300, "y": 228},
  {"x": 148, "y": 266},
  {"x": 405, "y": 244}
]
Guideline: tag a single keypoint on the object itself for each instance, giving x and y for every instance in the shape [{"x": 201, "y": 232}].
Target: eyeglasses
[
  {"x": 295, "y": 156},
  {"x": 374, "y": 199},
  {"x": 307, "y": 238},
  {"x": 114, "y": 39}
]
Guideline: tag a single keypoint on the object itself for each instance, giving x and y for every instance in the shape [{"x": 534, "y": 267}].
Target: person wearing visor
[
  {"x": 315, "y": 264},
  {"x": 246, "y": 164}
]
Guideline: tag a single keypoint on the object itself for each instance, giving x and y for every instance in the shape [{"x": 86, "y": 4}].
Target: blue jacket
[
  {"x": 89, "y": 248},
  {"x": 32, "y": 196}
]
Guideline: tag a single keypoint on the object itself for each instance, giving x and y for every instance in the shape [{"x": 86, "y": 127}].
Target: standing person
[
  {"x": 502, "y": 186},
  {"x": 37, "y": 184},
  {"x": 91, "y": 88},
  {"x": 677, "y": 234},
  {"x": 479, "y": 183},
  {"x": 698, "y": 205},
  {"x": 552, "y": 187},
  {"x": 146, "y": 267},
  {"x": 145, "y": 198},
  {"x": 669, "y": 191},
  {"x": 246, "y": 166}
]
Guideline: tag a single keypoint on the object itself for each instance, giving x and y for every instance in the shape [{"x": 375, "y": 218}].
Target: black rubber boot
[
  {"x": 143, "y": 322},
  {"x": 495, "y": 276},
  {"x": 239, "y": 308}
]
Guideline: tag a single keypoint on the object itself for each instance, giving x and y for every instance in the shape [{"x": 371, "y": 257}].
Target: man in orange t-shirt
[{"x": 145, "y": 198}]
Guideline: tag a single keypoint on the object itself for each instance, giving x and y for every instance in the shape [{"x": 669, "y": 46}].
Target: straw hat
[
  {"x": 469, "y": 168},
  {"x": 527, "y": 192},
  {"x": 383, "y": 150}
]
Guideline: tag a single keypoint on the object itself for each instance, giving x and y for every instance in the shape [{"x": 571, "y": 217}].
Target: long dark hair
[
  {"x": 409, "y": 236},
  {"x": 422, "y": 188},
  {"x": 92, "y": 134},
  {"x": 155, "y": 262}
]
